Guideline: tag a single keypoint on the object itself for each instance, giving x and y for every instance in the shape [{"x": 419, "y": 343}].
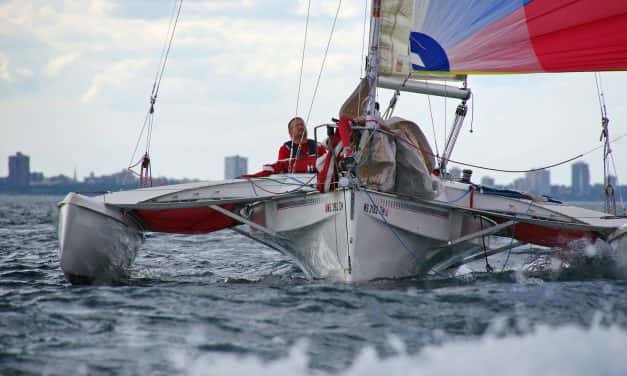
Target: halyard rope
[
  {"x": 324, "y": 59},
  {"x": 302, "y": 58},
  {"x": 165, "y": 52}
]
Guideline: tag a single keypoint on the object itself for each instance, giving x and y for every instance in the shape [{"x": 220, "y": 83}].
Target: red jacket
[
  {"x": 303, "y": 151},
  {"x": 302, "y": 158},
  {"x": 305, "y": 162}
]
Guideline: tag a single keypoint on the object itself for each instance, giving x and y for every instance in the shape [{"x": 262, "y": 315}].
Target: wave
[{"x": 566, "y": 350}]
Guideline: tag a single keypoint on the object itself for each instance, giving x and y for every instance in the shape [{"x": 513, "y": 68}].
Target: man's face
[{"x": 297, "y": 130}]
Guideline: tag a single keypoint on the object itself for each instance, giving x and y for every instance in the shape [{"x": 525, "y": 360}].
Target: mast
[
  {"x": 373, "y": 63},
  {"x": 372, "y": 75},
  {"x": 610, "y": 199}
]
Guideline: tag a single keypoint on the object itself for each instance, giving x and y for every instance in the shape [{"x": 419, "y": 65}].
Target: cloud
[
  {"x": 5, "y": 75},
  {"x": 14, "y": 15},
  {"x": 215, "y": 6},
  {"x": 328, "y": 8},
  {"x": 55, "y": 65},
  {"x": 117, "y": 75},
  {"x": 24, "y": 72}
]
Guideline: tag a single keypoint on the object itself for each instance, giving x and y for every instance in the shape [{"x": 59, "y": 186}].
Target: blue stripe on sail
[
  {"x": 428, "y": 53},
  {"x": 452, "y": 21}
]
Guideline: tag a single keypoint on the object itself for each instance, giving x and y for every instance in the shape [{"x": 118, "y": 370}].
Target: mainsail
[{"x": 501, "y": 36}]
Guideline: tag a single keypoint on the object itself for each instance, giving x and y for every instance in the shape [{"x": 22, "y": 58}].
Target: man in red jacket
[{"x": 300, "y": 153}]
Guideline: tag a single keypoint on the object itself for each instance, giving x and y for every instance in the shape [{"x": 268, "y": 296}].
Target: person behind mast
[{"x": 299, "y": 153}]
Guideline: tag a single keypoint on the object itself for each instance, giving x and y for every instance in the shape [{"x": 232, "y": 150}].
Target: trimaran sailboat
[{"x": 381, "y": 204}]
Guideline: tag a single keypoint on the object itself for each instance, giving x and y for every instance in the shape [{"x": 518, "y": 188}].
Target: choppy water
[{"x": 220, "y": 305}]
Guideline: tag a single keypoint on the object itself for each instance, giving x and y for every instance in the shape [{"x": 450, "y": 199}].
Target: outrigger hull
[
  {"x": 97, "y": 243},
  {"x": 99, "y": 236}
]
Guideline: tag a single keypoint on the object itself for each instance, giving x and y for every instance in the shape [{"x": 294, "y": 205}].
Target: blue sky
[{"x": 75, "y": 78}]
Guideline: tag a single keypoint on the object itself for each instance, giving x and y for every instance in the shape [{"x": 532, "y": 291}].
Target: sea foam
[{"x": 567, "y": 350}]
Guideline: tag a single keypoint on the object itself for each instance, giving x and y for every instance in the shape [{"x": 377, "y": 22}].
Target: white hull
[
  {"x": 97, "y": 243},
  {"x": 359, "y": 235}
]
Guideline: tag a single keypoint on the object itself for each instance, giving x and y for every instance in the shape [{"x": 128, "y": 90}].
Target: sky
[{"x": 76, "y": 77}]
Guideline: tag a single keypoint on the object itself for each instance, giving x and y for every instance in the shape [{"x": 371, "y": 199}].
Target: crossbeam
[
  {"x": 463, "y": 259},
  {"x": 474, "y": 235},
  {"x": 243, "y": 220}
]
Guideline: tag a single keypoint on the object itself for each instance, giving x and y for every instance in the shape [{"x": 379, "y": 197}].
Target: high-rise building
[
  {"x": 580, "y": 179},
  {"x": 235, "y": 166},
  {"x": 19, "y": 170},
  {"x": 488, "y": 181},
  {"x": 612, "y": 180},
  {"x": 520, "y": 184},
  {"x": 539, "y": 181},
  {"x": 455, "y": 173}
]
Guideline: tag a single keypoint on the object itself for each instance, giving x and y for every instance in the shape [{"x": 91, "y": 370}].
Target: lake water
[{"x": 220, "y": 304}]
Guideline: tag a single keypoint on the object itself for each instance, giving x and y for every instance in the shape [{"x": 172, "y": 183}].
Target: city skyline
[{"x": 237, "y": 165}]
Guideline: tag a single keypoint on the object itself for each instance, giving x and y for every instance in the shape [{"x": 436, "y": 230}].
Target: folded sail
[{"x": 457, "y": 37}]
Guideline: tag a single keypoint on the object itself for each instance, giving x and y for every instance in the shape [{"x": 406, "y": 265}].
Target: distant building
[
  {"x": 36, "y": 177},
  {"x": 520, "y": 184},
  {"x": 235, "y": 166},
  {"x": 612, "y": 180},
  {"x": 122, "y": 178},
  {"x": 488, "y": 181},
  {"x": 57, "y": 180},
  {"x": 580, "y": 179},
  {"x": 539, "y": 182},
  {"x": 19, "y": 170},
  {"x": 455, "y": 173}
]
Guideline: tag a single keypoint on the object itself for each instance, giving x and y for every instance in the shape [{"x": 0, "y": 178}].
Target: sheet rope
[{"x": 417, "y": 147}]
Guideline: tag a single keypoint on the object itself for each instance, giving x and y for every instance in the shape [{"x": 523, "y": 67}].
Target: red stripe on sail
[
  {"x": 504, "y": 46},
  {"x": 581, "y": 35}
]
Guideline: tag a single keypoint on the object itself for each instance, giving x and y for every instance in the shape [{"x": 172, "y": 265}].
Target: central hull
[{"x": 359, "y": 235}]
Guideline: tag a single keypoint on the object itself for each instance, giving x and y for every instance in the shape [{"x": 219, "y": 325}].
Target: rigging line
[
  {"x": 445, "y": 112},
  {"x": 149, "y": 133},
  {"x": 460, "y": 197},
  {"x": 398, "y": 237},
  {"x": 139, "y": 138},
  {"x": 159, "y": 74},
  {"x": 472, "y": 112},
  {"x": 435, "y": 137},
  {"x": 298, "y": 187},
  {"x": 535, "y": 169},
  {"x": 599, "y": 85},
  {"x": 517, "y": 171},
  {"x": 390, "y": 227},
  {"x": 165, "y": 44},
  {"x": 362, "y": 64},
  {"x": 511, "y": 243},
  {"x": 167, "y": 52},
  {"x": 496, "y": 169},
  {"x": 302, "y": 58},
  {"x": 488, "y": 267},
  {"x": 300, "y": 143},
  {"x": 509, "y": 252},
  {"x": 324, "y": 59},
  {"x": 348, "y": 247},
  {"x": 362, "y": 58},
  {"x": 620, "y": 191}
]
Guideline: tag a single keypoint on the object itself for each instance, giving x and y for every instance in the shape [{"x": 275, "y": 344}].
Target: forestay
[{"x": 455, "y": 37}]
